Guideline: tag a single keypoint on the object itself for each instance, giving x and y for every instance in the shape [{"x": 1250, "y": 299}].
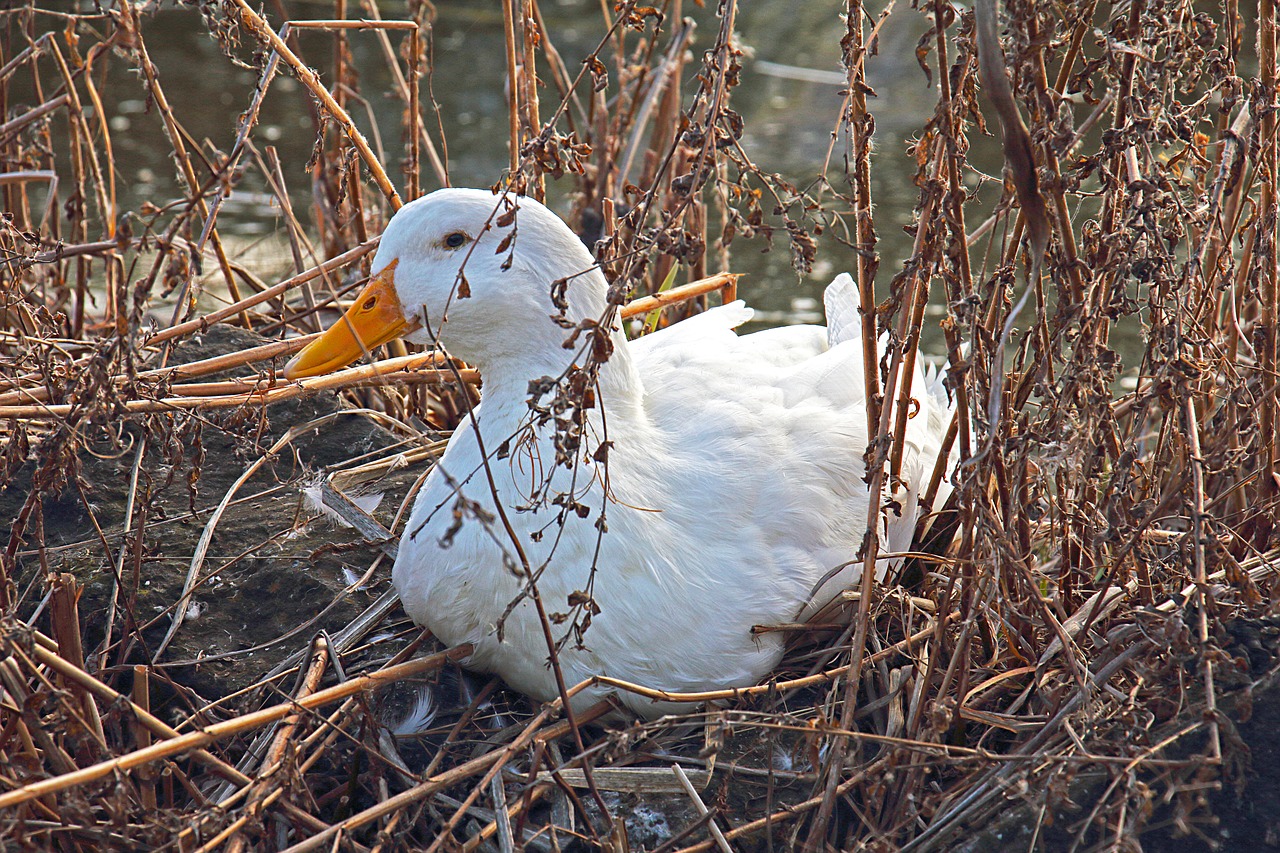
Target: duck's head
[{"x": 469, "y": 267}]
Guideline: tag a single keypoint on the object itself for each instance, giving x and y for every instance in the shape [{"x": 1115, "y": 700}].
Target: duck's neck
[
  {"x": 507, "y": 381},
  {"x": 536, "y": 352}
]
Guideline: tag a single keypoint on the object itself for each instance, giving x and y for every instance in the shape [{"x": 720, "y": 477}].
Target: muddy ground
[{"x": 272, "y": 566}]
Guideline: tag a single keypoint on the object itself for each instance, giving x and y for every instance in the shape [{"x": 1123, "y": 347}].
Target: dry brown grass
[{"x": 1070, "y": 637}]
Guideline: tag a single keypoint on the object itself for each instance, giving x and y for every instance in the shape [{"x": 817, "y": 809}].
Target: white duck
[{"x": 731, "y": 486}]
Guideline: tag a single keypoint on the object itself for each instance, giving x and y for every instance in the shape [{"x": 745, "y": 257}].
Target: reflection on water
[
  {"x": 790, "y": 97},
  {"x": 789, "y": 117}
]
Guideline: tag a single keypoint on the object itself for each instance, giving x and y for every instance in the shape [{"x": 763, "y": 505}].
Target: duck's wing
[
  {"x": 761, "y": 439},
  {"x": 708, "y": 340},
  {"x": 736, "y": 497},
  {"x": 712, "y": 325},
  {"x": 767, "y": 431}
]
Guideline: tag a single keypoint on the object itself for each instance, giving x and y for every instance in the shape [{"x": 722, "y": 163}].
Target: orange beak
[{"x": 372, "y": 321}]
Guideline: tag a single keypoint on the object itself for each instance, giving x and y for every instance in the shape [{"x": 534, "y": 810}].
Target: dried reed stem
[
  {"x": 480, "y": 764},
  {"x": 217, "y": 731},
  {"x": 258, "y": 27}
]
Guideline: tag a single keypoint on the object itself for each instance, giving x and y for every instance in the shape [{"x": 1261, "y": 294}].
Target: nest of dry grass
[{"x": 1063, "y": 666}]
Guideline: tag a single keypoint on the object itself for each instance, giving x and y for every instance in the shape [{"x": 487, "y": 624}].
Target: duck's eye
[{"x": 456, "y": 239}]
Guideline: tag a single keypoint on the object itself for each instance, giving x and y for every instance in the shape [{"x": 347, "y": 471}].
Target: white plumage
[{"x": 734, "y": 481}]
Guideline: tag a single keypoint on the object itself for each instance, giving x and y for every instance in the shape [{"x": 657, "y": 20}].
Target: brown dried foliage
[{"x": 1069, "y": 638}]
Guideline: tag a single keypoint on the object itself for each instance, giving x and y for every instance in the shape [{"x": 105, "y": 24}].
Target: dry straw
[{"x": 1070, "y": 630}]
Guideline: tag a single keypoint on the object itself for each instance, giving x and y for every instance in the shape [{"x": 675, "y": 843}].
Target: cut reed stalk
[
  {"x": 257, "y": 391},
  {"x": 65, "y": 616},
  {"x": 858, "y": 126},
  {"x": 140, "y": 696}
]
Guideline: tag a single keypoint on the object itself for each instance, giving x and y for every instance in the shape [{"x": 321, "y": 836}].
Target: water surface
[{"x": 790, "y": 97}]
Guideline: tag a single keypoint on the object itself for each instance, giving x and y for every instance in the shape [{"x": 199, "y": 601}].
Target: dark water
[{"x": 789, "y": 121}]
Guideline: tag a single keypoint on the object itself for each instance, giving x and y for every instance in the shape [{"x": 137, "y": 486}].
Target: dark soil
[
  {"x": 271, "y": 567},
  {"x": 1246, "y": 811},
  {"x": 1207, "y": 808}
]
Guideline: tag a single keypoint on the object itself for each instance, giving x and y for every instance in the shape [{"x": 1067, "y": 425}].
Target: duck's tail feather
[
  {"x": 844, "y": 323},
  {"x": 935, "y": 377},
  {"x": 941, "y": 410},
  {"x": 841, "y": 303}
]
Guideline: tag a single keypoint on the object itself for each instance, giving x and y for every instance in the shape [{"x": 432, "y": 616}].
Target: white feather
[
  {"x": 418, "y": 717},
  {"x": 313, "y": 497}
]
